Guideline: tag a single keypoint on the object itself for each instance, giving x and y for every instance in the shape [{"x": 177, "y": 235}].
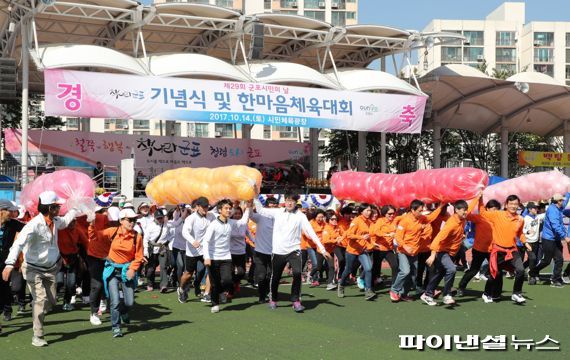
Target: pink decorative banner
[
  {"x": 156, "y": 151},
  {"x": 103, "y": 95}
]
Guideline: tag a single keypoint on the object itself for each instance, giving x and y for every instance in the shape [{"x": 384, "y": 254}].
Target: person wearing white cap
[
  {"x": 123, "y": 261},
  {"x": 42, "y": 260},
  {"x": 8, "y": 230}
]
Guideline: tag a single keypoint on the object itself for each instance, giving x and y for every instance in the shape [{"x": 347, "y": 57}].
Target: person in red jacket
[{"x": 70, "y": 240}]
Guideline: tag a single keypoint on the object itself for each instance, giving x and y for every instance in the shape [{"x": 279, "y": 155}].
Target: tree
[{"x": 12, "y": 115}]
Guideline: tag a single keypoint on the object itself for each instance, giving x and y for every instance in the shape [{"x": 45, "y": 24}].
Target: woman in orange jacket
[
  {"x": 382, "y": 235},
  {"x": 333, "y": 236},
  {"x": 358, "y": 236}
]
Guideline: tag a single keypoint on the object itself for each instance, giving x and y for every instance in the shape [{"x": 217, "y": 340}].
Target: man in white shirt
[
  {"x": 179, "y": 243},
  {"x": 193, "y": 231},
  {"x": 42, "y": 260},
  {"x": 287, "y": 227},
  {"x": 156, "y": 238},
  {"x": 531, "y": 230},
  {"x": 263, "y": 248},
  {"x": 217, "y": 254}
]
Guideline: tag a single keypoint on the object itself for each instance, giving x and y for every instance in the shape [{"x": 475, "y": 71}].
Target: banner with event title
[
  {"x": 86, "y": 148},
  {"x": 103, "y": 95},
  {"x": 544, "y": 159}
]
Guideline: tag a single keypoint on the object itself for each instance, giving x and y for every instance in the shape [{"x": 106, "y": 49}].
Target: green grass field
[{"x": 331, "y": 328}]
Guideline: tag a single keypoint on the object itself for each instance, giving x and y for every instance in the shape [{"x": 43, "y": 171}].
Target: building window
[
  {"x": 543, "y": 55},
  {"x": 140, "y": 124},
  {"x": 473, "y": 54},
  {"x": 338, "y": 4},
  {"x": 567, "y": 72},
  {"x": 474, "y": 38},
  {"x": 140, "y": 132},
  {"x": 545, "y": 69},
  {"x": 350, "y": 15},
  {"x": 198, "y": 130},
  {"x": 509, "y": 68},
  {"x": 286, "y": 132},
  {"x": 267, "y": 132},
  {"x": 338, "y": 18},
  {"x": 506, "y": 38},
  {"x": 225, "y": 3},
  {"x": 314, "y": 4},
  {"x": 319, "y": 15},
  {"x": 225, "y": 130},
  {"x": 72, "y": 123},
  {"x": 450, "y": 54},
  {"x": 267, "y": 4},
  {"x": 567, "y": 39},
  {"x": 453, "y": 42},
  {"x": 288, "y": 3},
  {"x": 544, "y": 39},
  {"x": 506, "y": 55},
  {"x": 287, "y": 12}
]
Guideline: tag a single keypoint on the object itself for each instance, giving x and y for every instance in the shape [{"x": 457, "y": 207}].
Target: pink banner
[{"x": 155, "y": 151}]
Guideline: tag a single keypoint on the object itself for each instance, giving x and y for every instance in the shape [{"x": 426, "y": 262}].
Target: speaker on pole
[
  {"x": 8, "y": 78},
  {"x": 256, "y": 45}
]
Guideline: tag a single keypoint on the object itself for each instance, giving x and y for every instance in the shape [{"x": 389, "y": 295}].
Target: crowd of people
[{"x": 213, "y": 248}]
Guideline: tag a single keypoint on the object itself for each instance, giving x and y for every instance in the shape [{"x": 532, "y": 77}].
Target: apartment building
[{"x": 505, "y": 42}]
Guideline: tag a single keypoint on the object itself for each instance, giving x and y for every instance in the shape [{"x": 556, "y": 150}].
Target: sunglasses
[
  {"x": 331, "y": 219},
  {"x": 390, "y": 213},
  {"x": 131, "y": 220}
]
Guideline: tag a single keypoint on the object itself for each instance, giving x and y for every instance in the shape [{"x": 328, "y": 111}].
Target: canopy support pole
[
  {"x": 362, "y": 150},
  {"x": 246, "y": 131},
  {"x": 314, "y": 139},
  {"x": 567, "y": 142},
  {"x": 504, "y": 148},
  {"x": 383, "y": 163},
  {"x": 25, "y": 105},
  {"x": 436, "y": 144}
]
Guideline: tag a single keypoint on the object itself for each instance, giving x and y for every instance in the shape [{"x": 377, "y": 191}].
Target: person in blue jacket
[
  {"x": 566, "y": 273},
  {"x": 553, "y": 233}
]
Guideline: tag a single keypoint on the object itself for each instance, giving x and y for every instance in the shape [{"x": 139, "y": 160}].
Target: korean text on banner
[
  {"x": 102, "y": 95},
  {"x": 544, "y": 159}
]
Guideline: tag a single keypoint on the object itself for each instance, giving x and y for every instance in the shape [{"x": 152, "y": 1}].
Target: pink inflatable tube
[
  {"x": 531, "y": 187},
  {"x": 399, "y": 190}
]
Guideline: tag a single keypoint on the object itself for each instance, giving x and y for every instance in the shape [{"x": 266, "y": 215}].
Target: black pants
[
  {"x": 421, "y": 281},
  {"x": 262, "y": 273},
  {"x": 249, "y": 257},
  {"x": 178, "y": 257},
  {"x": 532, "y": 256},
  {"x": 494, "y": 285},
  {"x": 238, "y": 268},
  {"x": 220, "y": 278},
  {"x": 195, "y": 265},
  {"x": 278, "y": 263},
  {"x": 552, "y": 249},
  {"x": 155, "y": 260},
  {"x": 377, "y": 258},
  {"x": 330, "y": 267},
  {"x": 567, "y": 270},
  {"x": 477, "y": 260},
  {"x": 96, "y": 267},
  {"x": 339, "y": 253},
  {"x": 5, "y": 296}
]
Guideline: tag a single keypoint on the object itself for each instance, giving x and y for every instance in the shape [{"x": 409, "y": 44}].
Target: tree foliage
[{"x": 12, "y": 115}]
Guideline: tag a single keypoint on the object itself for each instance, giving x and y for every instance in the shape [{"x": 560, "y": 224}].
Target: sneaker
[
  {"x": 340, "y": 291},
  {"x": 532, "y": 280},
  {"x": 483, "y": 277},
  {"x": 394, "y": 296},
  {"x": 21, "y": 309},
  {"x": 149, "y": 288},
  {"x": 182, "y": 296},
  {"x": 297, "y": 307},
  {"x": 85, "y": 299},
  {"x": 360, "y": 283},
  {"x": 163, "y": 290},
  {"x": 78, "y": 291},
  {"x": 315, "y": 284},
  {"x": 7, "y": 316},
  {"x": 68, "y": 307},
  {"x": 73, "y": 300},
  {"x": 428, "y": 299},
  {"x": 103, "y": 306},
  {"x": 117, "y": 333},
  {"x": 509, "y": 275},
  {"x": 125, "y": 319},
  {"x": 557, "y": 284},
  {"x": 237, "y": 288},
  {"x": 487, "y": 299},
  {"x": 460, "y": 292},
  {"x": 140, "y": 282},
  {"x": 436, "y": 294},
  {"x": 272, "y": 305},
  {"x": 566, "y": 279},
  {"x": 215, "y": 309},
  {"x": 206, "y": 298},
  {"x": 369, "y": 294},
  {"x": 94, "y": 319},
  {"x": 407, "y": 298},
  {"x": 39, "y": 341},
  {"x": 331, "y": 286},
  {"x": 477, "y": 276},
  {"x": 518, "y": 298},
  {"x": 448, "y": 300},
  {"x": 223, "y": 298}
]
